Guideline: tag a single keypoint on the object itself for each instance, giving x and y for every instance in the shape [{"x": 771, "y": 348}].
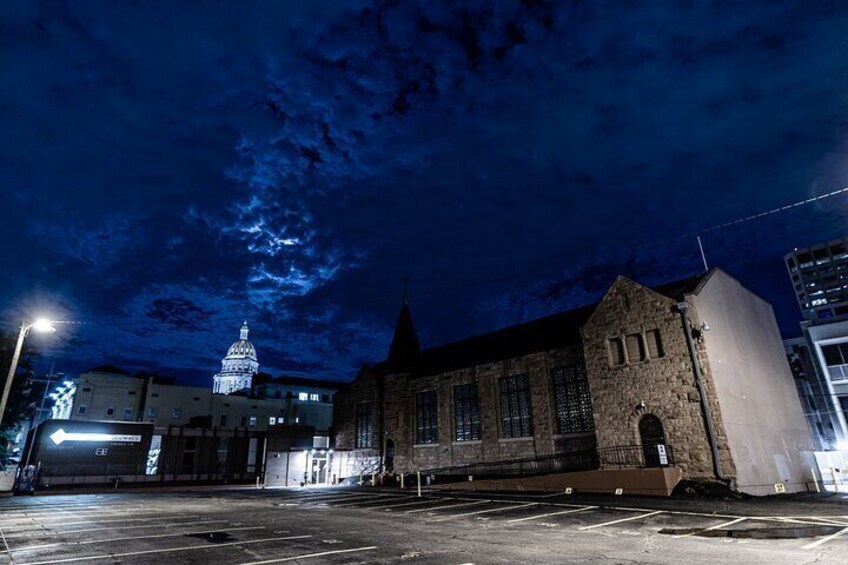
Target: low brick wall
[{"x": 649, "y": 482}]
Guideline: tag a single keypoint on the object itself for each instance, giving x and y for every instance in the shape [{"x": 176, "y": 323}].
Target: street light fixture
[{"x": 40, "y": 325}]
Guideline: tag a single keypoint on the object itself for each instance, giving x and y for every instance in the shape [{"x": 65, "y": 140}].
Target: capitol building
[{"x": 238, "y": 367}]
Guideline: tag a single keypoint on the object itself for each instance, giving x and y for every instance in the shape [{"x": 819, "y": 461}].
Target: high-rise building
[{"x": 820, "y": 276}]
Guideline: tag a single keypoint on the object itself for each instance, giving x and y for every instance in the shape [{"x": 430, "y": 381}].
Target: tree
[{"x": 19, "y": 400}]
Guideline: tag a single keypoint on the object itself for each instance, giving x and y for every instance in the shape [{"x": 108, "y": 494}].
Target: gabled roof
[{"x": 543, "y": 334}]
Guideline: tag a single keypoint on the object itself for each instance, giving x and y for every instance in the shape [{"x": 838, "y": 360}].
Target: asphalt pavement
[{"x": 372, "y": 525}]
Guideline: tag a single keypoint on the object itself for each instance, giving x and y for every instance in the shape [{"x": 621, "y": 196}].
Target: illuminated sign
[{"x": 60, "y": 436}]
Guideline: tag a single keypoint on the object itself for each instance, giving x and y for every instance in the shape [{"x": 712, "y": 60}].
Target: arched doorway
[
  {"x": 651, "y": 433},
  {"x": 389, "y": 463}
]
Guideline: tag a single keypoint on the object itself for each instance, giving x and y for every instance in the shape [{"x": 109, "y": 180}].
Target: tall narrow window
[
  {"x": 635, "y": 348},
  {"x": 364, "y": 433},
  {"x": 572, "y": 398},
  {"x": 516, "y": 418},
  {"x": 655, "y": 346},
  {"x": 426, "y": 411},
  {"x": 466, "y": 413},
  {"x": 616, "y": 352}
]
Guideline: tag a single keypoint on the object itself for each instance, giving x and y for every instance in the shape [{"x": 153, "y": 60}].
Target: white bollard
[
  {"x": 419, "y": 484},
  {"x": 815, "y": 481},
  {"x": 373, "y": 479},
  {"x": 401, "y": 480}
]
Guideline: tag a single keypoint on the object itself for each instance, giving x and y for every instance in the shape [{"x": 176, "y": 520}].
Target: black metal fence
[
  {"x": 636, "y": 456},
  {"x": 587, "y": 460}
]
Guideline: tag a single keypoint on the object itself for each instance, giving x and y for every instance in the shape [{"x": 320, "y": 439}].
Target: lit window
[
  {"x": 272, "y": 420},
  {"x": 314, "y": 397},
  {"x": 253, "y": 421},
  {"x": 303, "y": 396},
  {"x": 363, "y": 425},
  {"x": 128, "y": 413},
  {"x": 466, "y": 413},
  {"x": 516, "y": 418},
  {"x": 572, "y": 399}
]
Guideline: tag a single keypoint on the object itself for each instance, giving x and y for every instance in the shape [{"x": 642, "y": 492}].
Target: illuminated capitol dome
[{"x": 238, "y": 367}]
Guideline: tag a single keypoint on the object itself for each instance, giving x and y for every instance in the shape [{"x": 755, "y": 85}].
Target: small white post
[
  {"x": 835, "y": 483},
  {"x": 373, "y": 479},
  {"x": 419, "y": 484},
  {"x": 401, "y": 480},
  {"x": 815, "y": 480}
]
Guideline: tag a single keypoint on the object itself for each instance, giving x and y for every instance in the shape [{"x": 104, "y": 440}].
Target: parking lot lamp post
[{"x": 42, "y": 326}]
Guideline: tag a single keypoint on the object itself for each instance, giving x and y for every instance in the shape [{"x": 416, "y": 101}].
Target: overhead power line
[{"x": 693, "y": 234}]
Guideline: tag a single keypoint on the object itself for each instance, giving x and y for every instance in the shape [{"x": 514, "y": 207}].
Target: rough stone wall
[
  {"x": 666, "y": 385},
  {"x": 365, "y": 388},
  {"x": 400, "y": 395}
]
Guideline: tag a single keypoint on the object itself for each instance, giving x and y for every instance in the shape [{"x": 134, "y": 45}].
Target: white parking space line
[
  {"x": 619, "y": 521},
  {"x": 825, "y": 539},
  {"x": 561, "y": 512},
  {"x": 330, "y": 495},
  {"x": 128, "y": 538},
  {"x": 111, "y": 528},
  {"x": 476, "y": 502},
  {"x": 312, "y": 555},
  {"x": 347, "y": 497},
  {"x": 487, "y": 511},
  {"x": 77, "y": 515},
  {"x": 417, "y": 501},
  {"x": 372, "y": 501},
  {"x": 29, "y": 527},
  {"x": 716, "y": 527},
  {"x": 168, "y": 550}
]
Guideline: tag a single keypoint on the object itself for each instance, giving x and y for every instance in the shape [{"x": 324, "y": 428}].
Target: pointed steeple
[
  {"x": 244, "y": 330},
  {"x": 405, "y": 349}
]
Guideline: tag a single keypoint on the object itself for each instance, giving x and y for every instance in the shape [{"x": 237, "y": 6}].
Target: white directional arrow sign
[{"x": 60, "y": 436}]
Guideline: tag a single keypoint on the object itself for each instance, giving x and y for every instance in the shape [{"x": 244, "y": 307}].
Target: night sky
[{"x": 170, "y": 168}]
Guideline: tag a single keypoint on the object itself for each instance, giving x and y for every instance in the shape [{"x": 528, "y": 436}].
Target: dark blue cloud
[{"x": 170, "y": 169}]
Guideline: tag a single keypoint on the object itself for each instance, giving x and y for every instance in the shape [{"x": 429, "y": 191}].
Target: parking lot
[{"x": 381, "y": 526}]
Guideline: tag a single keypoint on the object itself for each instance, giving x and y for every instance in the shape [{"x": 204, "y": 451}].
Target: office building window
[
  {"x": 128, "y": 413},
  {"x": 466, "y": 412},
  {"x": 314, "y": 397},
  {"x": 426, "y": 412},
  {"x": 110, "y": 411},
  {"x": 572, "y": 399},
  {"x": 516, "y": 418},
  {"x": 272, "y": 420},
  {"x": 325, "y": 398},
  {"x": 253, "y": 421},
  {"x": 176, "y": 413},
  {"x": 222, "y": 421},
  {"x": 82, "y": 409},
  {"x": 303, "y": 396},
  {"x": 153, "y": 412},
  {"x": 364, "y": 433}
]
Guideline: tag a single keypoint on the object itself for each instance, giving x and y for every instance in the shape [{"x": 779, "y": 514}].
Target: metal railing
[
  {"x": 636, "y": 456},
  {"x": 558, "y": 463},
  {"x": 587, "y": 460}
]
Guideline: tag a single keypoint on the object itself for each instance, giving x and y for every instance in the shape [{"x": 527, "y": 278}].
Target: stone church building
[{"x": 695, "y": 367}]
